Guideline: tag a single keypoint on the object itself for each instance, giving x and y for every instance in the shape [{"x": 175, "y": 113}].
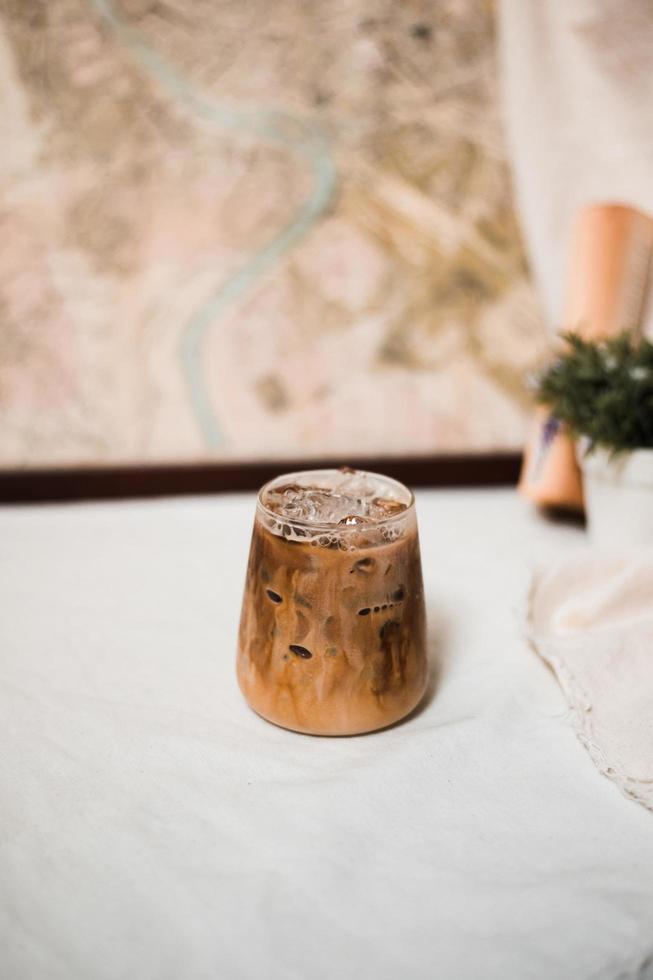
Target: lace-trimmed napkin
[{"x": 591, "y": 620}]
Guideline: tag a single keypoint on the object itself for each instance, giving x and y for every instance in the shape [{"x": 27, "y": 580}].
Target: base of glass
[{"x": 392, "y": 719}]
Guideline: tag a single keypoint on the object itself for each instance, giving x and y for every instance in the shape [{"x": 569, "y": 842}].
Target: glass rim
[{"x": 336, "y": 528}]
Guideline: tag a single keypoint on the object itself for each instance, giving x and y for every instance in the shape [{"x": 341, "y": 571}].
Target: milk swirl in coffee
[{"x": 332, "y": 634}]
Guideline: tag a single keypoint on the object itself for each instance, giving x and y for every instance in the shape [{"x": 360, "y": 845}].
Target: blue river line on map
[{"x": 300, "y": 137}]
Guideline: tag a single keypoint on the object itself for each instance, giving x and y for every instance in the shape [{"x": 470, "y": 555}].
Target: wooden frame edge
[{"x": 120, "y": 482}]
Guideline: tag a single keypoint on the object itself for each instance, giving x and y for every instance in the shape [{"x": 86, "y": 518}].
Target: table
[{"x": 152, "y": 826}]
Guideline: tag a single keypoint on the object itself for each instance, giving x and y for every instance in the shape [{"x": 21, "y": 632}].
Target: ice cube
[
  {"x": 382, "y": 507},
  {"x": 343, "y": 498}
]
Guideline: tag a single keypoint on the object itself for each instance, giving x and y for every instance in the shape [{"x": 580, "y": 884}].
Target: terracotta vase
[{"x": 608, "y": 290}]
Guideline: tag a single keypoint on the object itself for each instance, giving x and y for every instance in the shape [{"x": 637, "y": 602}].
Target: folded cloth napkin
[{"x": 591, "y": 620}]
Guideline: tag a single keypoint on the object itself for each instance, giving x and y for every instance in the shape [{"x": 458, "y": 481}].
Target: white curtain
[{"x": 577, "y": 78}]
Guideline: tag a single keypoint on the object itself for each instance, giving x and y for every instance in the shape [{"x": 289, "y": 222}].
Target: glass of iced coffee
[{"x": 332, "y": 633}]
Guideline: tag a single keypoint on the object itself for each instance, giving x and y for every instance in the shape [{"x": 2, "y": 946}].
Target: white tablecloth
[{"x": 153, "y": 827}]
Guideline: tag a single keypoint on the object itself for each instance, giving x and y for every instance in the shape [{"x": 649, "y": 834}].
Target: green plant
[{"x": 603, "y": 391}]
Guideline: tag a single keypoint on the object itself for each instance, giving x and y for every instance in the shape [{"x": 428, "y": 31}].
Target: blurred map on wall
[{"x": 238, "y": 229}]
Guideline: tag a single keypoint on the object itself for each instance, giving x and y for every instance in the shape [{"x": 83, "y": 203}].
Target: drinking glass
[{"x": 332, "y": 632}]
